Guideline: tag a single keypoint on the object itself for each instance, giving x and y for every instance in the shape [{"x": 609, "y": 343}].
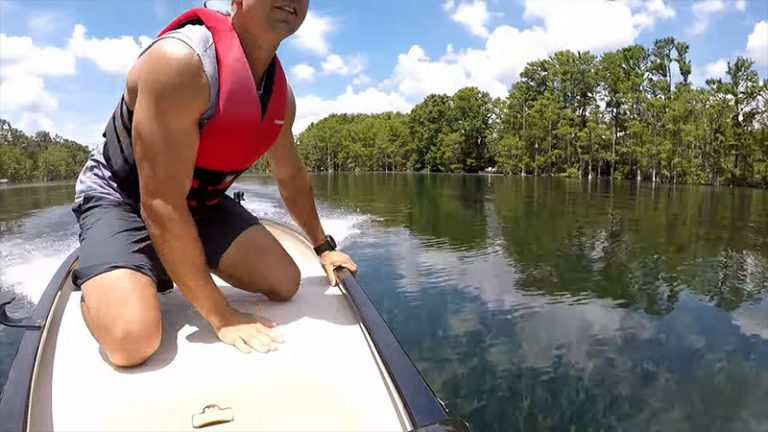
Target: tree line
[
  {"x": 632, "y": 113},
  {"x": 40, "y": 157}
]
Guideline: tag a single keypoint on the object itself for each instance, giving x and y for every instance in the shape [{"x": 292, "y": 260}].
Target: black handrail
[
  {"x": 14, "y": 400},
  {"x": 425, "y": 409}
]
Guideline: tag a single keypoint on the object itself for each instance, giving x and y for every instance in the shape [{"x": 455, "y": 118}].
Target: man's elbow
[{"x": 159, "y": 211}]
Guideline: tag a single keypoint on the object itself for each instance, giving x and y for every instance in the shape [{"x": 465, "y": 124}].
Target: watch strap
[{"x": 325, "y": 246}]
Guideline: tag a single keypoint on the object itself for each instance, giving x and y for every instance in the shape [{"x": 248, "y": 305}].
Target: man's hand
[
  {"x": 246, "y": 331},
  {"x": 333, "y": 259}
]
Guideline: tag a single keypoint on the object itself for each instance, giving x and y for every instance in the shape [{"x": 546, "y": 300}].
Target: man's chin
[{"x": 283, "y": 29}]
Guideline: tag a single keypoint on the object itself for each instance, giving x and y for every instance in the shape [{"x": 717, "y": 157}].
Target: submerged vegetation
[
  {"x": 631, "y": 113},
  {"x": 40, "y": 157}
]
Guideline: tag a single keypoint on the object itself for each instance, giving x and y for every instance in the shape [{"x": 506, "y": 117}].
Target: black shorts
[{"x": 113, "y": 235}]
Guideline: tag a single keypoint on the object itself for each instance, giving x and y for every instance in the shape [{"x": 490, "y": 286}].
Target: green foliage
[
  {"x": 630, "y": 113},
  {"x": 41, "y": 157}
]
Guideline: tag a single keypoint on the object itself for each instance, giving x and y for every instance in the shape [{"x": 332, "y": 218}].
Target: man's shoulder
[{"x": 170, "y": 65}]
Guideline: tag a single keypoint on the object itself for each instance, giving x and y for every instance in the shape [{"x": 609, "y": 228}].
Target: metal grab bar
[{"x": 426, "y": 411}]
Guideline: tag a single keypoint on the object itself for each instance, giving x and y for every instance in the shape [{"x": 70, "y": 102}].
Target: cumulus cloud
[
  {"x": 757, "y": 44},
  {"x": 25, "y": 66},
  {"x": 652, "y": 11},
  {"x": 716, "y": 69},
  {"x": 369, "y": 101},
  {"x": 594, "y": 25},
  {"x": 303, "y": 72},
  {"x": 111, "y": 55},
  {"x": 313, "y": 33},
  {"x": 20, "y": 56},
  {"x": 362, "y": 79},
  {"x": 492, "y": 68},
  {"x": 25, "y": 93},
  {"x": 704, "y": 10},
  {"x": 32, "y": 122},
  {"x": 335, "y": 64},
  {"x": 474, "y": 16},
  {"x": 46, "y": 23}
]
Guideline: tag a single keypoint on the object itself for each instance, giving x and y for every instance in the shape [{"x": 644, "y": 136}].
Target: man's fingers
[
  {"x": 258, "y": 345},
  {"x": 331, "y": 276},
  {"x": 241, "y": 345},
  {"x": 263, "y": 340},
  {"x": 275, "y": 336},
  {"x": 266, "y": 322},
  {"x": 351, "y": 266}
]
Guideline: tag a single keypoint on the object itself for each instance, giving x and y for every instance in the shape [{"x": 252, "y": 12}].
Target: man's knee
[
  {"x": 122, "y": 312},
  {"x": 130, "y": 344},
  {"x": 287, "y": 284}
]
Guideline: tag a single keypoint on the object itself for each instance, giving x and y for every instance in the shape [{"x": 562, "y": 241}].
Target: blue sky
[{"x": 63, "y": 62}]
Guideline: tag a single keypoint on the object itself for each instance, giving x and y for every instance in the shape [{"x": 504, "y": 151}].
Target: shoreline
[{"x": 12, "y": 185}]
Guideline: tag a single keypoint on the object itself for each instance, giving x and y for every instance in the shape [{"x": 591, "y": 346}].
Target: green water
[{"x": 535, "y": 304}]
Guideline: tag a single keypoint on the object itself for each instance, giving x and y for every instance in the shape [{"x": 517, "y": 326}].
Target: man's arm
[
  {"x": 297, "y": 194},
  {"x": 171, "y": 94},
  {"x": 292, "y": 178}
]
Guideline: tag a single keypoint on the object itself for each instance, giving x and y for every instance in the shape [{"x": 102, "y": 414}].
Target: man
[{"x": 201, "y": 104}]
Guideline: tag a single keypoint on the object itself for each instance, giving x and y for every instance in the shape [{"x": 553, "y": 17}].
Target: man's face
[{"x": 281, "y": 17}]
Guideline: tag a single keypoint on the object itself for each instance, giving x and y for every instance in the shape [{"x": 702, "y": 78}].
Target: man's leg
[
  {"x": 257, "y": 262},
  {"x": 244, "y": 254},
  {"x": 122, "y": 312},
  {"x": 117, "y": 273}
]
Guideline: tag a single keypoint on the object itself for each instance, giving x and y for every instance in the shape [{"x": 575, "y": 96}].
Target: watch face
[{"x": 332, "y": 242}]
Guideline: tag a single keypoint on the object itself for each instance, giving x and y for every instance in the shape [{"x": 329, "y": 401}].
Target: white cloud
[
  {"x": 303, "y": 72},
  {"x": 474, "y": 16},
  {"x": 370, "y": 101},
  {"x": 594, "y": 24},
  {"x": 22, "y": 67},
  {"x": 653, "y": 10},
  {"x": 334, "y": 64},
  {"x": 705, "y": 9},
  {"x": 87, "y": 133},
  {"x": 757, "y": 43},
  {"x": 32, "y": 122},
  {"x": 25, "y": 66},
  {"x": 111, "y": 55},
  {"x": 25, "y": 93},
  {"x": 361, "y": 80},
  {"x": 44, "y": 23},
  {"x": 20, "y": 56},
  {"x": 492, "y": 68},
  {"x": 716, "y": 69},
  {"x": 313, "y": 33},
  {"x": 416, "y": 75}
]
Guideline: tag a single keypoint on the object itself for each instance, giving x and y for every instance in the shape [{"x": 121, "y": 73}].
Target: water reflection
[
  {"x": 639, "y": 245},
  {"x": 510, "y": 359},
  {"x": 548, "y": 304},
  {"x": 538, "y": 304}
]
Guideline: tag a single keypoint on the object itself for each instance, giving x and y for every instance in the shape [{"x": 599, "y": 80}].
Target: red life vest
[{"x": 237, "y": 134}]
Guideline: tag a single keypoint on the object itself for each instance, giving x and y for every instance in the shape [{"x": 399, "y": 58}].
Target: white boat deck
[{"x": 325, "y": 377}]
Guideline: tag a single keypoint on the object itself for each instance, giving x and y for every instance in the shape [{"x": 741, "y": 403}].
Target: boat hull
[{"x": 340, "y": 369}]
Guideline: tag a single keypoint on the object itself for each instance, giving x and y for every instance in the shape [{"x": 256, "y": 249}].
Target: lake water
[{"x": 527, "y": 304}]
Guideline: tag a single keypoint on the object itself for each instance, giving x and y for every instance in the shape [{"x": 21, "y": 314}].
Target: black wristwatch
[{"x": 329, "y": 244}]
